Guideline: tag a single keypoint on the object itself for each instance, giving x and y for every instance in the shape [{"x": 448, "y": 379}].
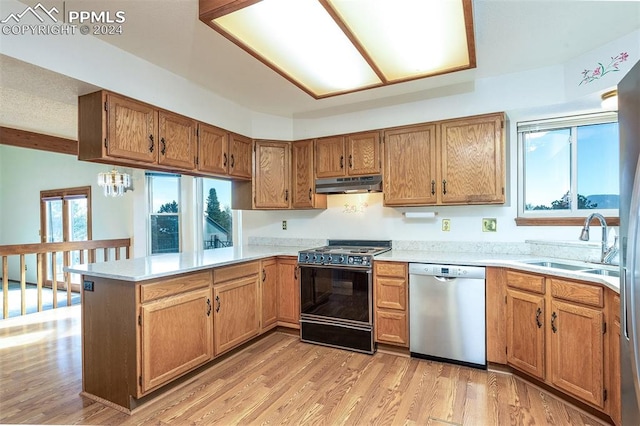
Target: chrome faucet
[{"x": 607, "y": 253}]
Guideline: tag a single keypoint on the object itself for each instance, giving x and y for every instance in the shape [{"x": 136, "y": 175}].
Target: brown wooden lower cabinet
[
  {"x": 391, "y": 323},
  {"x": 182, "y": 321},
  {"x": 269, "y": 290},
  {"x": 525, "y": 332},
  {"x": 565, "y": 333},
  {"x": 288, "y": 292},
  {"x": 236, "y": 308}
]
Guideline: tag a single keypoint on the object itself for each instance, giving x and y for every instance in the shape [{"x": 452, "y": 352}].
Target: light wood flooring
[{"x": 277, "y": 380}]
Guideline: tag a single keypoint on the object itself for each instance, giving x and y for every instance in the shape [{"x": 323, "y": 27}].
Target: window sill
[{"x": 561, "y": 221}]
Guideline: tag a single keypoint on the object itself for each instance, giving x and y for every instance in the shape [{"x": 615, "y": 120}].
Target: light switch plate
[
  {"x": 446, "y": 225},
  {"x": 489, "y": 224}
]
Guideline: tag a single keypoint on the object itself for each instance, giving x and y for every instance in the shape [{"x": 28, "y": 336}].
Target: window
[
  {"x": 164, "y": 213},
  {"x": 65, "y": 215},
  {"x": 217, "y": 230},
  {"x": 569, "y": 166}
]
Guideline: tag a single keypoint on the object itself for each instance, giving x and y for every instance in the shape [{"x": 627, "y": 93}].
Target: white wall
[{"x": 26, "y": 172}]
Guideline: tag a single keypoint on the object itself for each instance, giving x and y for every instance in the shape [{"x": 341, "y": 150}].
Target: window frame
[
  {"x": 149, "y": 184},
  {"x": 571, "y": 217}
]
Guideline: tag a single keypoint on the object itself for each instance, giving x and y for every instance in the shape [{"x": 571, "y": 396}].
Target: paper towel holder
[{"x": 420, "y": 215}]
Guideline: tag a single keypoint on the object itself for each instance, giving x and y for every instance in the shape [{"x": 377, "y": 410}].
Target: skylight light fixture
[{"x": 331, "y": 47}]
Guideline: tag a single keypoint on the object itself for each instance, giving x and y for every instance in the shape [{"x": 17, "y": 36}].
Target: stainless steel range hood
[{"x": 348, "y": 185}]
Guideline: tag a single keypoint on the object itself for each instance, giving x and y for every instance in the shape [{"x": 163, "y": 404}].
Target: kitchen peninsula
[{"x": 149, "y": 321}]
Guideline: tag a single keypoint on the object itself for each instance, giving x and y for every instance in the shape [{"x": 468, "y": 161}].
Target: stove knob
[
  {"x": 321, "y": 258},
  {"x": 329, "y": 259},
  {"x": 341, "y": 260},
  {"x": 315, "y": 257},
  {"x": 350, "y": 259},
  {"x": 307, "y": 257}
]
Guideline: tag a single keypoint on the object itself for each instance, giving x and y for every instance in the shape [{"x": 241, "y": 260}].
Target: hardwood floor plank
[{"x": 277, "y": 380}]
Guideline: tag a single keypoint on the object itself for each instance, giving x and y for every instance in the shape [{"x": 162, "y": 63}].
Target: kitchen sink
[
  {"x": 557, "y": 265},
  {"x": 603, "y": 272},
  {"x": 579, "y": 267}
]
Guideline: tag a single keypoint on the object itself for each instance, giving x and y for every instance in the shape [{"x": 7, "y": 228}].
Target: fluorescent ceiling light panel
[
  {"x": 331, "y": 47},
  {"x": 408, "y": 38}
]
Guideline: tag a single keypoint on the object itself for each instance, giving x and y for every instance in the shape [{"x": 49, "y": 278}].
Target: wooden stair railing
[{"x": 91, "y": 251}]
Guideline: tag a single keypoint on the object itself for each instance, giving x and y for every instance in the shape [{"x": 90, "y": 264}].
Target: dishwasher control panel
[{"x": 449, "y": 271}]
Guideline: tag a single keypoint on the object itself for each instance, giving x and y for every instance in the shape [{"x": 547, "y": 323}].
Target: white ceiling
[{"x": 511, "y": 36}]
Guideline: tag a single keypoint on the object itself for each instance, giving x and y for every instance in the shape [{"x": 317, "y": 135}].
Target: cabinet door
[
  {"x": 391, "y": 293},
  {"x": 472, "y": 161},
  {"x": 288, "y": 292},
  {"x": 410, "y": 166},
  {"x": 271, "y": 182},
  {"x": 330, "y": 157},
  {"x": 213, "y": 149},
  {"x": 177, "y": 144},
  {"x": 269, "y": 293},
  {"x": 391, "y": 327},
  {"x": 363, "y": 154},
  {"x": 179, "y": 322},
  {"x": 131, "y": 130},
  {"x": 239, "y": 156},
  {"x": 303, "y": 184},
  {"x": 236, "y": 312},
  {"x": 577, "y": 351},
  {"x": 525, "y": 332}
]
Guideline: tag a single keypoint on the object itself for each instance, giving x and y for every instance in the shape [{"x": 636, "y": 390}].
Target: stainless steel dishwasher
[{"x": 447, "y": 313}]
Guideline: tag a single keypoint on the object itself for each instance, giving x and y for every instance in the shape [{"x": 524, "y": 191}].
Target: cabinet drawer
[
  {"x": 391, "y": 293},
  {"x": 576, "y": 292},
  {"x": 534, "y": 283},
  {"x": 235, "y": 271},
  {"x": 173, "y": 286},
  {"x": 391, "y": 269}
]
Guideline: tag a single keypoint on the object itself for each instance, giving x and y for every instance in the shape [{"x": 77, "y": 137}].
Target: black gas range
[
  {"x": 336, "y": 293},
  {"x": 344, "y": 253}
]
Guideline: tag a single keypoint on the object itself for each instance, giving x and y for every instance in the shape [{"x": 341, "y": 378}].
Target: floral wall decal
[{"x": 600, "y": 70}]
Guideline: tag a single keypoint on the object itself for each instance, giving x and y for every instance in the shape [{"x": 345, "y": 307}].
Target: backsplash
[{"x": 572, "y": 250}]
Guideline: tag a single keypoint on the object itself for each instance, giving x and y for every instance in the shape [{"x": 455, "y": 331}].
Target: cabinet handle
[
  {"x": 350, "y": 161},
  {"x": 538, "y": 313},
  {"x": 217, "y": 303},
  {"x": 164, "y": 146},
  {"x": 310, "y": 194},
  {"x": 264, "y": 275},
  {"x": 433, "y": 187},
  {"x": 444, "y": 186},
  {"x": 295, "y": 272},
  {"x": 151, "y": 144},
  {"x": 342, "y": 161},
  {"x": 233, "y": 161},
  {"x": 286, "y": 195},
  {"x": 224, "y": 156},
  {"x": 208, "y": 306},
  {"x": 554, "y": 316}
]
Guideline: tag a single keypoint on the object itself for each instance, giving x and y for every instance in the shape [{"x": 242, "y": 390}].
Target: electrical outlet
[
  {"x": 489, "y": 224},
  {"x": 25, "y": 266},
  {"x": 284, "y": 225},
  {"x": 446, "y": 225}
]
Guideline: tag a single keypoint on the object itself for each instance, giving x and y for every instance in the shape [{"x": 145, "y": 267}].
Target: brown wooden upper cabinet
[
  {"x": 457, "y": 161},
  {"x": 115, "y": 129},
  {"x": 303, "y": 192},
  {"x": 271, "y": 180},
  {"x": 223, "y": 153},
  {"x": 357, "y": 154}
]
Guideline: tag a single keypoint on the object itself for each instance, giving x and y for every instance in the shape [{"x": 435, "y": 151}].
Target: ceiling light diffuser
[{"x": 331, "y": 47}]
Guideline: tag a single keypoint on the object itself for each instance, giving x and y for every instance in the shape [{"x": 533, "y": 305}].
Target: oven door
[{"x": 342, "y": 294}]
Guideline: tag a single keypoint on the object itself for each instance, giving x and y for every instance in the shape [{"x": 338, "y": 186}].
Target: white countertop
[
  {"x": 146, "y": 268},
  {"x": 515, "y": 261},
  {"x": 164, "y": 265}
]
